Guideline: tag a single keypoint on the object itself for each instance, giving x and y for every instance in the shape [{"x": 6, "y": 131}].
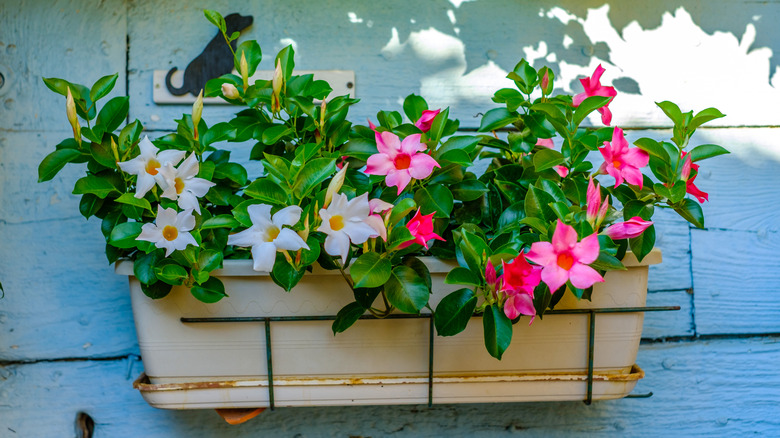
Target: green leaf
[
  {"x": 102, "y": 87},
  {"x": 587, "y": 106},
  {"x": 54, "y": 162},
  {"x": 703, "y": 117},
  {"x": 211, "y": 291},
  {"x": 124, "y": 235},
  {"x": 468, "y": 190},
  {"x": 232, "y": 171},
  {"x": 113, "y": 113},
  {"x": 129, "y": 199},
  {"x": 643, "y": 244},
  {"x": 436, "y": 199},
  {"x": 401, "y": 209},
  {"x": 546, "y": 159},
  {"x": 220, "y": 132},
  {"x": 473, "y": 248},
  {"x": 707, "y": 151},
  {"x": 457, "y": 156},
  {"x": 606, "y": 262},
  {"x": 398, "y": 236},
  {"x": 554, "y": 113},
  {"x": 454, "y": 312},
  {"x": 284, "y": 275},
  {"x": 89, "y": 205},
  {"x": 267, "y": 191},
  {"x": 498, "y": 331},
  {"x": 313, "y": 174},
  {"x": 406, "y": 290},
  {"x": 497, "y": 118},
  {"x": 285, "y": 57},
  {"x": 672, "y": 111},
  {"x": 156, "y": 290},
  {"x": 438, "y": 125},
  {"x": 275, "y": 133},
  {"x": 370, "y": 270},
  {"x": 690, "y": 210},
  {"x": 220, "y": 221},
  {"x": 171, "y": 273},
  {"x": 347, "y": 316},
  {"x": 653, "y": 148},
  {"x": 537, "y": 204},
  {"x": 252, "y": 52},
  {"x": 102, "y": 154},
  {"x": 414, "y": 105},
  {"x": 461, "y": 275},
  {"x": 465, "y": 143},
  {"x": 209, "y": 260},
  {"x": 359, "y": 148},
  {"x": 143, "y": 267},
  {"x": 216, "y": 19}
]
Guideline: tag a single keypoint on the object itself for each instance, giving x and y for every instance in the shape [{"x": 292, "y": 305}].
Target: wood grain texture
[
  {"x": 77, "y": 40},
  {"x": 451, "y": 55},
  {"x": 735, "y": 291},
  {"x": 659, "y": 325},
  {"x": 700, "y": 389}
]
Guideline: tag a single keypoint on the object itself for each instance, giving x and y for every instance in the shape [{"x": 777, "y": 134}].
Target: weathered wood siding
[{"x": 67, "y": 342}]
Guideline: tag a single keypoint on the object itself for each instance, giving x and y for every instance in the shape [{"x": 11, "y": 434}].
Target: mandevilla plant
[{"x": 557, "y": 206}]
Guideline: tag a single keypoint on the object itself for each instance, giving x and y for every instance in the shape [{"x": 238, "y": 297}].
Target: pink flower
[
  {"x": 426, "y": 120},
  {"x": 520, "y": 278},
  {"x": 629, "y": 229},
  {"x": 691, "y": 188},
  {"x": 596, "y": 210},
  {"x": 593, "y": 87},
  {"x": 548, "y": 143},
  {"x": 490, "y": 276},
  {"x": 622, "y": 162},
  {"x": 421, "y": 228},
  {"x": 400, "y": 161},
  {"x": 376, "y": 221},
  {"x": 566, "y": 259}
]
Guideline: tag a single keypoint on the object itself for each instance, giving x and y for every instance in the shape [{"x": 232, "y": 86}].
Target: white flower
[
  {"x": 267, "y": 234},
  {"x": 147, "y": 164},
  {"x": 344, "y": 221},
  {"x": 181, "y": 184},
  {"x": 171, "y": 230}
]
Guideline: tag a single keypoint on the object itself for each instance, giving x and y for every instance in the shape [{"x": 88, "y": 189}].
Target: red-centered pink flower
[
  {"x": 375, "y": 220},
  {"x": 520, "y": 278},
  {"x": 400, "y": 160},
  {"x": 421, "y": 228},
  {"x": 426, "y": 120},
  {"x": 593, "y": 87},
  {"x": 690, "y": 187},
  {"x": 548, "y": 143},
  {"x": 629, "y": 229},
  {"x": 566, "y": 259},
  {"x": 622, "y": 162}
]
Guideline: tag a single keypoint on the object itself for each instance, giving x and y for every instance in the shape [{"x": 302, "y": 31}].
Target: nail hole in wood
[{"x": 350, "y": 85}]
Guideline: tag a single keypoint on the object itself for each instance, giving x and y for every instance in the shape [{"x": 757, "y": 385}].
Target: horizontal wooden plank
[
  {"x": 735, "y": 280},
  {"x": 89, "y": 42},
  {"x": 451, "y": 56},
  {"x": 700, "y": 388},
  {"x": 659, "y": 325}
]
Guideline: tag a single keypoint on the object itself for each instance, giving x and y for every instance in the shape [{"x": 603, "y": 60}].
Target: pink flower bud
[
  {"x": 629, "y": 229},
  {"x": 426, "y": 120}
]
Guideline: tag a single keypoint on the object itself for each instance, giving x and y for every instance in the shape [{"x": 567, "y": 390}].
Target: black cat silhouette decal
[{"x": 215, "y": 60}]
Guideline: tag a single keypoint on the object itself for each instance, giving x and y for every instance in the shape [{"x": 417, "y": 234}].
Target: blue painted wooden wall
[{"x": 67, "y": 342}]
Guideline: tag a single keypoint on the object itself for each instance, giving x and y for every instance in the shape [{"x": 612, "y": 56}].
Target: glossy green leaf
[
  {"x": 406, "y": 290},
  {"x": 156, "y": 290},
  {"x": 253, "y": 54},
  {"x": 690, "y": 210},
  {"x": 209, "y": 260},
  {"x": 461, "y": 275},
  {"x": 267, "y": 191},
  {"x": 607, "y": 262},
  {"x": 672, "y": 111},
  {"x": 102, "y": 87},
  {"x": 143, "y": 267},
  {"x": 436, "y": 199},
  {"x": 653, "y": 148},
  {"x": 124, "y": 235},
  {"x": 171, "y": 273},
  {"x": 454, "y": 312},
  {"x": 414, "y": 105},
  {"x": 284, "y": 274},
  {"x": 286, "y": 58},
  {"x": 643, "y": 244},
  {"x": 216, "y": 19},
  {"x": 703, "y": 117},
  {"x": 275, "y": 133},
  {"x": 113, "y": 113},
  {"x": 219, "y": 132},
  {"x": 54, "y": 162},
  {"x": 220, "y": 221},
  {"x": 537, "y": 204},
  {"x": 232, "y": 171},
  {"x": 546, "y": 159},
  {"x": 129, "y": 199},
  {"x": 313, "y": 174},
  {"x": 497, "y": 118},
  {"x": 468, "y": 190},
  {"x": 211, "y": 291},
  {"x": 401, "y": 209},
  {"x": 347, "y": 316},
  {"x": 587, "y": 106},
  {"x": 497, "y": 330},
  {"x": 704, "y": 151},
  {"x": 370, "y": 270},
  {"x": 399, "y": 235},
  {"x": 89, "y": 205}
]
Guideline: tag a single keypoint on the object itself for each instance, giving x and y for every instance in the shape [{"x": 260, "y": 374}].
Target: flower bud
[
  {"x": 115, "y": 150},
  {"x": 335, "y": 185},
  {"x": 70, "y": 110},
  {"x": 244, "y": 70},
  {"x": 230, "y": 91},
  {"x": 197, "y": 110},
  {"x": 277, "y": 84},
  {"x": 323, "y": 106}
]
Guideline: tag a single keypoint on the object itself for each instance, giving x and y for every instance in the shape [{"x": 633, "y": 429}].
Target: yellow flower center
[
  {"x": 271, "y": 233},
  {"x": 617, "y": 164},
  {"x": 152, "y": 166},
  {"x": 170, "y": 233},
  {"x": 179, "y": 184},
  {"x": 336, "y": 223},
  {"x": 565, "y": 261}
]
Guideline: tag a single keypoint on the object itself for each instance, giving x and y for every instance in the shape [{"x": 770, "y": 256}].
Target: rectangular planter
[{"x": 221, "y": 365}]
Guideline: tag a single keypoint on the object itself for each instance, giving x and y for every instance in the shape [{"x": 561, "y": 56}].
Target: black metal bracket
[{"x": 591, "y": 338}]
